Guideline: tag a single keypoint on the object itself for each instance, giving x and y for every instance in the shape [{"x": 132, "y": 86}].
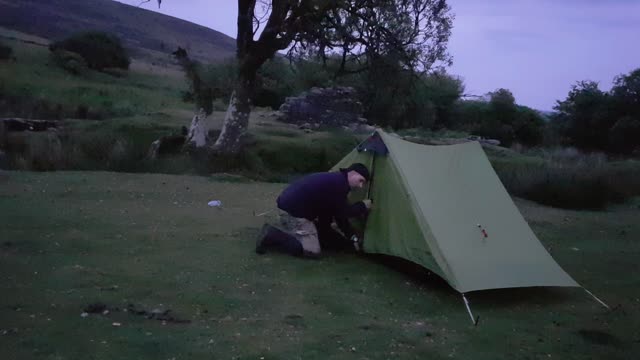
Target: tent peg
[
  {"x": 466, "y": 302},
  {"x": 598, "y": 300}
]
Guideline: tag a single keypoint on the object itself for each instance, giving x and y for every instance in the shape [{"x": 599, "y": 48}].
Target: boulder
[
  {"x": 171, "y": 144},
  {"x": 18, "y": 124},
  {"x": 328, "y": 107},
  {"x": 197, "y": 135}
]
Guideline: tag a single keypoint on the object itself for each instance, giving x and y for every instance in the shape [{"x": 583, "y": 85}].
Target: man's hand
[{"x": 367, "y": 203}]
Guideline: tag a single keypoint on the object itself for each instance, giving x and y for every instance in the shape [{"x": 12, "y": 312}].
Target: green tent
[{"x": 443, "y": 207}]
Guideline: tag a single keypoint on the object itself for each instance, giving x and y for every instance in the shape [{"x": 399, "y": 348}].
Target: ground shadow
[{"x": 484, "y": 299}]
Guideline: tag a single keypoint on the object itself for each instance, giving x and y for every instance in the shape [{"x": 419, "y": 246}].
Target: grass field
[
  {"x": 33, "y": 81},
  {"x": 150, "y": 243}
]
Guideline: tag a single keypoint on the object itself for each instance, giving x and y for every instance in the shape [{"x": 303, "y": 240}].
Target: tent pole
[
  {"x": 373, "y": 159},
  {"x": 598, "y": 300},
  {"x": 466, "y": 302}
]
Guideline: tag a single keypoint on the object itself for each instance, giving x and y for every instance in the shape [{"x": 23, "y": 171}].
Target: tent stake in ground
[
  {"x": 473, "y": 320},
  {"x": 598, "y": 300}
]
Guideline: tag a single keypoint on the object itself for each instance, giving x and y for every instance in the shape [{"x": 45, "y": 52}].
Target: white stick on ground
[
  {"x": 265, "y": 213},
  {"x": 598, "y": 300},
  {"x": 468, "y": 309}
]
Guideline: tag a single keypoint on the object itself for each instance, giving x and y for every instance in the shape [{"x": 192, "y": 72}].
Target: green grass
[
  {"x": 69, "y": 239},
  {"x": 566, "y": 178},
  {"x": 33, "y": 86}
]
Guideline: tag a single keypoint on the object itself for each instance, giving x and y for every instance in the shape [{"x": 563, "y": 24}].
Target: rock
[
  {"x": 491, "y": 142},
  {"x": 360, "y": 128},
  {"x": 367, "y": 128},
  {"x": 197, "y": 136},
  {"x": 171, "y": 144},
  {"x": 153, "y": 150},
  {"x": 327, "y": 107},
  {"x": 482, "y": 140},
  {"x": 95, "y": 308},
  {"x": 18, "y": 124}
]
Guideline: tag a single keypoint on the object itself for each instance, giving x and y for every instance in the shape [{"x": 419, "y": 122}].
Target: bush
[
  {"x": 566, "y": 178},
  {"x": 5, "y": 52},
  {"x": 274, "y": 84},
  {"x": 624, "y": 135},
  {"x": 69, "y": 61},
  {"x": 518, "y": 124},
  {"x": 27, "y": 106},
  {"x": 271, "y": 159},
  {"x": 99, "y": 50}
]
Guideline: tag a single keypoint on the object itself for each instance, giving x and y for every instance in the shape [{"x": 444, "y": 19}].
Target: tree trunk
[{"x": 236, "y": 121}]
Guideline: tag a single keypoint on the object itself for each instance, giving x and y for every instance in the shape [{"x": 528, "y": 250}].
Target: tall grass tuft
[{"x": 566, "y": 178}]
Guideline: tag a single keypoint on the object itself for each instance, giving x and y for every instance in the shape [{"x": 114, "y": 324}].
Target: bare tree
[{"x": 414, "y": 31}]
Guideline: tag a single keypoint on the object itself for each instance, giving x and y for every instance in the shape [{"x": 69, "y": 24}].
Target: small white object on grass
[{"x": 215, "y": 203}]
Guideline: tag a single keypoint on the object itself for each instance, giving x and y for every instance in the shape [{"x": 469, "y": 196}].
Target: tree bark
[{"x": 236, "y": 121}]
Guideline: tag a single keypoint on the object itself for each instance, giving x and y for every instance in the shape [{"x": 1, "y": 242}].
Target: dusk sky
[{"x": 537, "y": 49}]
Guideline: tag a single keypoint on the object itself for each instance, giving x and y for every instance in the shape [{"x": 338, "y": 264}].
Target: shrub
[
  {"x": 624, "y": 135},
  {"x": 5, "y": 52},
  {"x": 566, "y": 178},
  {"x": 99, "y": 50},
  {"x": 69, "y": 61}
]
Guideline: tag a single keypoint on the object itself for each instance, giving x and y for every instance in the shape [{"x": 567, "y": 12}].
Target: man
[{"x": 309, "y": 206}]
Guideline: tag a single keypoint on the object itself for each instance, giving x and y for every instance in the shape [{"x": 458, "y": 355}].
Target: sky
[{"x": 537, "y": 49}]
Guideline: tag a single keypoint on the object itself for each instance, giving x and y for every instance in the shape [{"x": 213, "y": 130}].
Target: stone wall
[{"x": 323, "y": 107}]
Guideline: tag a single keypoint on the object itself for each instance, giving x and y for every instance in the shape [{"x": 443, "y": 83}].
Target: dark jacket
[{"x": 321, "y": 196}]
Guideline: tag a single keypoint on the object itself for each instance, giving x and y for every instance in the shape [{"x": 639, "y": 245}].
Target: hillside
[{"x": 147, "y": 34}]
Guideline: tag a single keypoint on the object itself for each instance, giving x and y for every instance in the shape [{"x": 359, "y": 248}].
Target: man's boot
[{"x": 272, "y": 237}]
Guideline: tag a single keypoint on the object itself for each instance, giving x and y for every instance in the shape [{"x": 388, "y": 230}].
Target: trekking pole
[{"x": 373, "y": 161}]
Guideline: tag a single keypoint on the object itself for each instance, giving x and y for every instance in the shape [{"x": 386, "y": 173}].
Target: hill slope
[{"x": 147, "y": 34}]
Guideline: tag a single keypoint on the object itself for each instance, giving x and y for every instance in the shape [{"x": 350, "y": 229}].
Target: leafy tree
[
  {"x": 624, "y": 135},
  {"x": 99, "y": 50},
  {"x": 586, "y": 113},
  {"x": 500, "y": 118},
  {"x": 416, "y": 31},
  {"x": 274, "y": 82},
  {"x": 625, "y": 98},
  {"x": 442, "y": 91},
  {"x": 503, "y": 105},
  {"x": 626, "y": 94},
  {"x": 528, "y": 127}
]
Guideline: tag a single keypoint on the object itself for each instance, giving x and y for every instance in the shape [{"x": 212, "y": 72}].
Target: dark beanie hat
[{"x": 360, "y": 169}]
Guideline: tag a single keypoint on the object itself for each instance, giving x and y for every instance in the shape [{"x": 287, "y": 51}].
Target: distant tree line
[{"x": 596, "y": 120}]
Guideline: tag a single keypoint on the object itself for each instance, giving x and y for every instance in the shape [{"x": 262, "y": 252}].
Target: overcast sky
[{"x": 535, "y": 48}]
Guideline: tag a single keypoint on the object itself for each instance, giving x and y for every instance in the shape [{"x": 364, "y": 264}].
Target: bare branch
[
  {"x": 146, "y": 1},
  {"x": 266, "y": 11}
]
